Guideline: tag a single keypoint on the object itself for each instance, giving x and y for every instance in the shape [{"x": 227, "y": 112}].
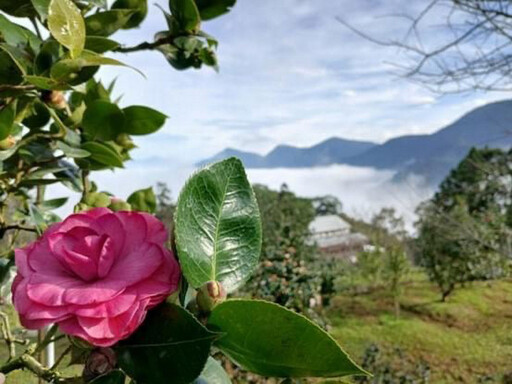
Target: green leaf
[
  {"x": 67, "y": 26},
  {"x": 171, "y": 346},
  {"x": 67, "y": 70},
  {"x": 7, "y": 115},
  {"x": 140, "y": 8},
  {"x": 18, "y": 8},
  {"x": 210, "y": 9},
  {"x": 39, "y": 116},
  {"x": 104, "y": 154},
  {"x": 9, "y": 71},
  {"x": 108, "y": 22},
  {"x": 114, "y": 377},
  {"x": 5, "y": 267},
  {"x": 18, "y": 56},
  {"x": 42, "y": 172},
  {"x": 141, "y": 120},
  {"x": 186, "y": 14},
  {"x": 4, "y": 155},
  {"x": 103, "y": 120},
  {"x": 143, "y": 200},
  {"x": 100, "y": 44},
  {"x": 73, "y": 152},
  {"x": 270, "y": 340},
  {"x": 14, "y": 34},
  {"x": 42, "y": 7},
  {"x": 46, "y": 83},
  {"x": 37, "y": 218},
  {"x": 213, "y": 373},
  {"x": 54, "y": 203},
  {"x": 218, "y": 226}
]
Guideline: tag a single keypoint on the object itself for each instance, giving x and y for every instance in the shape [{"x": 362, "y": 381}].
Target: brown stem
[
  {"x": 7, "y": 335},
  {"x": 19, "y": 228},
  {"x": 6, "y": 87},
  {"x": 146, "y": 46}
]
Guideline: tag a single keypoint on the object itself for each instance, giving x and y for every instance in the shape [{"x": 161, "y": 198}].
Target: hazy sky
[{"x": 289, "y": 73}]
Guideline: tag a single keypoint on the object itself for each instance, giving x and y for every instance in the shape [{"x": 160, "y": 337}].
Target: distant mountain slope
[
  {"x": 250, "y": 160},
  {"x": 331, "y": 151},
  {"x": 431, "y": 156}
]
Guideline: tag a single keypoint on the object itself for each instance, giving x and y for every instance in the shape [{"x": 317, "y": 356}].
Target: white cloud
[{"x": 289, "y": 74}]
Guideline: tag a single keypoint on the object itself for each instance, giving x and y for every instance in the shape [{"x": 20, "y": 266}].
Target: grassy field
[{"x": 463, "y": 340}]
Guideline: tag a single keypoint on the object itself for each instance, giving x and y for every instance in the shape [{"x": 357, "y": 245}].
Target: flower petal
[
  {"x": 49, "y": 291},
  {"x": 111, "y": 308},
  {"x": 156, "y": 231},
  {"x": 137, "y": 265},
  {"x": 94, "y": 292}
]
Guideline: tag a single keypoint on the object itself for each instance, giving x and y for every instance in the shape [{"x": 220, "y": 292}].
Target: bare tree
[{"x": 472, "y": 48}]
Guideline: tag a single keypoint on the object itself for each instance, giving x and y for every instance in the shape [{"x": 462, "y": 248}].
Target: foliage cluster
[
  {"x": 385, "y": 263},
  {"x": 464, "y": 231},
  {"x": 289, "y": 273},
  {"x": 58, "y": 124}
]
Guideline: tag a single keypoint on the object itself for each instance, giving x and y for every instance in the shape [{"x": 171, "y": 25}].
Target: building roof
[
  {"x": 347, "y": 240},
  {"x": 329, "y": 223}
]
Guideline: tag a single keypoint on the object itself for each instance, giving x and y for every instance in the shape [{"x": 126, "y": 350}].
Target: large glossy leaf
[
  {"x": 108, "y": 22},
  {"x": 186, "y": 14},
  {"x": 213, "y": 373},
  {"x": 271, "y": 340},
  {"x": 143, "y": 200},
  {"x": 218, "y": 226},
  {"x": 103, "y": 120},
  {"x": 141, "y": 120},
  {"x": 210, "y": 9},
  {"x": 171, "y": 346},
  {"x": 67, "y": 25}
]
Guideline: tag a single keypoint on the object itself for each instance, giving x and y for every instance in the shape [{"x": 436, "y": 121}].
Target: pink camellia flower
[{"x": 96, "y": 275}]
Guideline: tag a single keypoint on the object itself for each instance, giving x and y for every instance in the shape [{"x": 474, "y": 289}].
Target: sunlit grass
[{"x": 465, "y": 338}]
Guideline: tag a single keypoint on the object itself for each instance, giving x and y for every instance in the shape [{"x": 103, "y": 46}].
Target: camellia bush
[{"x": 129, "y": 303}]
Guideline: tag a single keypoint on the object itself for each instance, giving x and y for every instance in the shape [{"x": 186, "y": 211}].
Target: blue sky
[{"x": 289, "y": 73}]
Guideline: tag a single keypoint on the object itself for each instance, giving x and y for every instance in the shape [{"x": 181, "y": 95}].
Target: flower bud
[
  {"x": 55, "y": 99},
  {"x": 81, "y": 207},
  {"x": 125, "y": 141},
  {"x": 209, "y": 295},
  {"x": 97, "y": 200},
  {"x": 100, "y": 362},
  {"x": 117, "y": 205},
  {"x": 7, "y": 143}
]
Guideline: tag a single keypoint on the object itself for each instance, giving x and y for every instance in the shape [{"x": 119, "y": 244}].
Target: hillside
[
  {"x": 430, "y": 156},
  {"x": 465, "y": 340}
]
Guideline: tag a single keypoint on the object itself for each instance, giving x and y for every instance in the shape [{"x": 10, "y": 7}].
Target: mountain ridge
[{"x": 431, "y": 156}]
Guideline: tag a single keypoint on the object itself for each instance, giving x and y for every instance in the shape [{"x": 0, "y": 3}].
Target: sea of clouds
[{"x": 363, "y": 191}]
